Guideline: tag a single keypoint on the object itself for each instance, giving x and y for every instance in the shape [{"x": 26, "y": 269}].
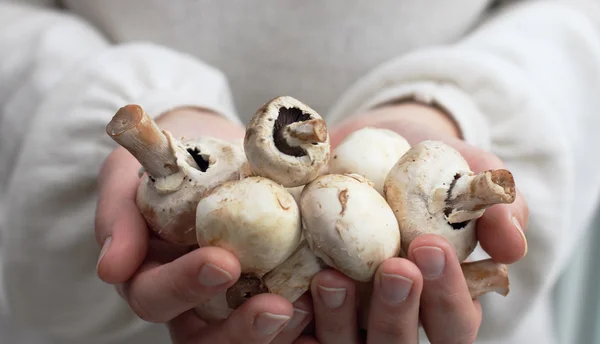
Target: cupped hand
[
  {"x": 428, "y": 286},
  {"x": 161, "y": 282}
]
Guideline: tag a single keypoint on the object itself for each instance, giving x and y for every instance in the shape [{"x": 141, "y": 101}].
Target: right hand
[{"x": 162, "y": 283}]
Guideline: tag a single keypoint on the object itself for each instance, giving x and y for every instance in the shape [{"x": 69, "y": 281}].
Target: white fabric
[{"x": 521, "y": 83}]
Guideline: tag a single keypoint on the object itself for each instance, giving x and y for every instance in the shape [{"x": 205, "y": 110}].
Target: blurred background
[{"x": 577, "y": 295}]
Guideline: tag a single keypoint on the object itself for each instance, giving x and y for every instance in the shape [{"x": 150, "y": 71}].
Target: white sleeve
[
  {"x": 524, "y": 85},
  {"x": 60, "y": 84}
]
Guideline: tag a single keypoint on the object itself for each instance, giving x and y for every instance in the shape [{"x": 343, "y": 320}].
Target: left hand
[{"x": 428, "y": 286}]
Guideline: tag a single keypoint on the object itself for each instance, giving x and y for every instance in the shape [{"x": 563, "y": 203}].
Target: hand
[
  {"x": 162, "y": 283},
  {"x": 447, "y": 313}
]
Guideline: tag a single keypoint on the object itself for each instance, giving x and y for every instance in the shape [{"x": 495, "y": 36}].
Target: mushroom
[
  {"x": 370, "y": 152},
  {"x": 257, "y": 220},
  {"x": 432, "y": 190},
  {"x": 287, "y": 142},
  {"x": 347, "y": 225},
  {"x": 176, "y": 174},
  {"x": 484, "y": 276}
]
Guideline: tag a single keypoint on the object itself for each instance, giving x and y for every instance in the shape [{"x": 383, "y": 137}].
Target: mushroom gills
[
  {"x": 287, "y": 116},
  {"x": 202, "y": 161}
]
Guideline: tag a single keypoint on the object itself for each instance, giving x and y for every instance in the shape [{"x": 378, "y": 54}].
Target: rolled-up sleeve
[
  {"x": 524, "y": 84},
  {"x": 61, "y": 82}
]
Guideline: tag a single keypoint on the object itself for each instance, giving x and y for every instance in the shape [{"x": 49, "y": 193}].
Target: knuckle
[
  {"x": 181, "y": 290},
  {"x": 335, "y": 327},
  {"x": 391, "y": 326},
  {"x": 142, "y": 311}
]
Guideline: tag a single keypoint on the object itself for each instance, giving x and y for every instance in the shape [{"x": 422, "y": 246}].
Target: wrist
[
  {"x": 414, "y": 113},
  {"x": 191, "y": 122},
  {"x": 415, "y": 121}
]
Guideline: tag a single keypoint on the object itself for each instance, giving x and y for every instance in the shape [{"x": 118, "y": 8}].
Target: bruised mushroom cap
[
  {"x": 287, "y": 141},
  {"x": 349, "y": 225},
  {"x": 254, "y": 218},
  {"x": 169, "y": 204},
  {"x": 431, "y": 189},
  {"x": 370, "y": 152}
]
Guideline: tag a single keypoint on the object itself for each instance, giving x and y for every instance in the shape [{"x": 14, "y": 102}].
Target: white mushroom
[
  {"x": 258, "y": 221},
  {"x": 347, "y": 226},
  {"x": 370, "y": 152},
  {"x": 287, "y": 142},
  {"x": 432, "y": 190},
  {"x": 177, "y": 173}
]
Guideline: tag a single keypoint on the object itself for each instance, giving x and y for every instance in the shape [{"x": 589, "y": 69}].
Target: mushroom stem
[
  {"x": 470, "y": 195},
  {"x": 292, "y": 278},
  {"x": 134, "y": 130},
  {"x": 311, "y": 131},
  {"x": 486, "y": 276},
  {"x": 246, "y": 287}
]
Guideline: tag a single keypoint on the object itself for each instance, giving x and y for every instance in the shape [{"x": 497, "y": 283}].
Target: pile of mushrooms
[{"x": 288, "y": 211}]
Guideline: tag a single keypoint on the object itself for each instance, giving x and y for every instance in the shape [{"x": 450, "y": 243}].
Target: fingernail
[
  {"x": 395, "y": 288},
  {"x": 268, "y": 323},
  {"x": 430, "y": 260},
  {"x": 297, "y": 319},
  {"x": 212, "y": 275},
  {"x": 332, "y": 297},
  {"x": 105, "y": 245},
  {"x": 517, "y": 224}
]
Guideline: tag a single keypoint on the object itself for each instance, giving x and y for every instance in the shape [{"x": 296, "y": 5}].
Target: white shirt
[{"x": 522, "y": 82}]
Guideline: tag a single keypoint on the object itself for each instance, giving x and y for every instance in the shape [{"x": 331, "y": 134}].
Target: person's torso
[{"x": 311, "y": 50}]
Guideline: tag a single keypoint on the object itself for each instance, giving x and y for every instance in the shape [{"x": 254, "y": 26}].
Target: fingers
[
  {"x": 306, "y": 340},
  {"x": 334, "y": 302},
  {"x": 394, "y": 313},
  {"x": 258, "y": 320},
  {"x": 159, "y": 293},
  {"x": 501, "y": 228},
  {"x": 120, "y": 228},
  {"x": 303, "y": 311},
  {"x": 448, "y": 314},
  {"x": 501, "y": 231}
]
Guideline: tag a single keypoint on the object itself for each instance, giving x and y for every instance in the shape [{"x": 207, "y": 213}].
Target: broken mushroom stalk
[
  {"x": 370, "y": 152},
  {"x": 431, "y": 189},
  {"x": 176, "y": 174},
  {"x": 287, "y": 142}
]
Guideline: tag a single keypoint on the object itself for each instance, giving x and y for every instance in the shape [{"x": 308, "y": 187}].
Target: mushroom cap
[
  {"x": 416, "y": 189},
  {"x": 254, "y": 218},
  {"x": 370, "y": 152},
  {"x": 169, "y": 204},
  {"x": 263, "y": 149},
  {"x": 349, "y": 225}
]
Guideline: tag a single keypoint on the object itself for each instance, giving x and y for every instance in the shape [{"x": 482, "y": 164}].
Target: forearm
[
  {"x": 56, "y": 105},
  {"x": 521, "y": 86}
]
